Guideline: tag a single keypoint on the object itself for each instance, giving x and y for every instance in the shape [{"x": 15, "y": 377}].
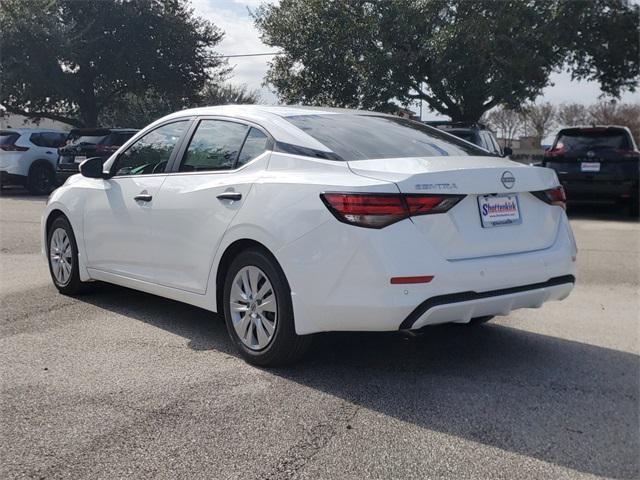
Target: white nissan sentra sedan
[{"x": 293, "y": 220}]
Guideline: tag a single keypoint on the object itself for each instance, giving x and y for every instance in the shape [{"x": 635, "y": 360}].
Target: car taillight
[
  {"x": 13, "y": 148},
  {"x": 555, "y": 151},
  {"x": 378, "y": 210},
  {"x": 553, "y": 196}
]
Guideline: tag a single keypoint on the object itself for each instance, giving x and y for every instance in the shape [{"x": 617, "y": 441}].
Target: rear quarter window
[{"x": 8, "y": 137}]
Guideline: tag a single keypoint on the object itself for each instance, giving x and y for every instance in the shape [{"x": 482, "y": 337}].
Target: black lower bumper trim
[{"x": 467, "y": 296}]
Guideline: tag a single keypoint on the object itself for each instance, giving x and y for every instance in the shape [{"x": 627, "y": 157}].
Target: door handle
[
  {"x": 143, "y": 197},
  {"x": 229, "y": 196}
]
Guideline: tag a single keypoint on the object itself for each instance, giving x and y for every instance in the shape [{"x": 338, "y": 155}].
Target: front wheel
[
  {"x": 63, "y": 258},
  {"x": 259, "y": 313}
]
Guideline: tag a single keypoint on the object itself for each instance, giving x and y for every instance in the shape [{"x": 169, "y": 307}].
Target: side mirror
[
  {"x": 92, "y": 168},
  {"x": 508, "y": 151}
]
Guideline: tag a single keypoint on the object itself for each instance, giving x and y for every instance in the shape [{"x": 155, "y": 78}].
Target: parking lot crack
[{"x": 313, "y": 441}]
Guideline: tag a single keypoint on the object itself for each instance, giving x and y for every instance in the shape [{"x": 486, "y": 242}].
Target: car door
[
  {"x": 199, "y": 199},
  {"x": 118, "y": 211}
]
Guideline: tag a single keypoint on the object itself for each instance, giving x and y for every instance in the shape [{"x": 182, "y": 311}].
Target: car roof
[
  {"x": 594, "y": 127},
  {"x": 102, "y": 130},
  {"x": 272, "y": 118}
]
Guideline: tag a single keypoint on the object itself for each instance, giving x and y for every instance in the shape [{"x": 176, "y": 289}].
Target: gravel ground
[{"x": 119, "y": 384}]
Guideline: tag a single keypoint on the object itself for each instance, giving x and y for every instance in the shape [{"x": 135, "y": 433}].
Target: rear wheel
[
  {"x": 41, "y": 179},
  {"x": 259, "y": 313}
]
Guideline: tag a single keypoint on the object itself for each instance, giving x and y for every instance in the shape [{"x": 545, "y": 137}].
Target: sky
[{"x": 241, "y": 37}]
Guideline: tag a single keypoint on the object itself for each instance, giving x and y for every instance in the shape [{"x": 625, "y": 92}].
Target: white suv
[{"x": 28, "y": 157}]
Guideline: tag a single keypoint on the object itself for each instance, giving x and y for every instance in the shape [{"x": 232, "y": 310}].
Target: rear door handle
[
  {"x": 229, "y": 196},
  {"x": 143, "y": 197}
]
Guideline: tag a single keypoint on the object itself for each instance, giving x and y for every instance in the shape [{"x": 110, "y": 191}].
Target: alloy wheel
[
  {"x": 61, "y": 256},
  {"x": 254, "y": 309}
]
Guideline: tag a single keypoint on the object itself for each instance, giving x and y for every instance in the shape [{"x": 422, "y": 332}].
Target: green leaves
[
  {"x": 73, "y": 59},
  {"x": 461, "y": 57}
]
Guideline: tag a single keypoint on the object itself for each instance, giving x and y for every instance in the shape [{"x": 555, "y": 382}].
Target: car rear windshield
[
  {"x": 8, "y": 137},
  {"x": 92, "y": 139},
  {"x": 593, "y": 139},
  {"x": 362, "y": 137}
]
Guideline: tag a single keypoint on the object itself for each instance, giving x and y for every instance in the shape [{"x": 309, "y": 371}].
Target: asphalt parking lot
[{"x": 119, "y": 384}]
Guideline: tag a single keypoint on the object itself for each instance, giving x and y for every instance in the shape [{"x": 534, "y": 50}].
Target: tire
[
  {"x": 267, "y": 307},
  {"x": 41, "y": 179},
  {"x": 481, "y": 320},
  {"x": 69, "y": 284}
]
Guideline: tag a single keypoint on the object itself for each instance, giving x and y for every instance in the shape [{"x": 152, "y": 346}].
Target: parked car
[
  {"x": 476, "y": 133},
  {"x": 28, "y": 157},
  {"x": 83, "y": 143},
  {"x": 292, "y": 221},
  {"x": 597, "y": 163}
]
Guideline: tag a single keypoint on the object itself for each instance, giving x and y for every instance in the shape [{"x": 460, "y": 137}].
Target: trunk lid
[
  {"x": 595, "y": 165},
  {"x": 459, "y": 233}
]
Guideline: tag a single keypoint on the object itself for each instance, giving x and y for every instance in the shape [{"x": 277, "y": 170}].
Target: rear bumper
[
  {"x": 350, "y": 288},
  {"x": 7, "y": 178},
  {"x": 595, "y": 190},
  {"x": 462, "y": 307}
]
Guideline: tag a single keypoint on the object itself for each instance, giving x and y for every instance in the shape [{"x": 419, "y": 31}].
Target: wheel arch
[
  {"x": 51, "y": 217},
  {"x": 44, "y": 162},
  {"x": 231, "y": 252}
]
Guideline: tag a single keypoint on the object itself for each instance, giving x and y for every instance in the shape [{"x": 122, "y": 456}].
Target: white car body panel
[
  {"x": 19, "y": 163},
  {"x": 339, "y": 274}
]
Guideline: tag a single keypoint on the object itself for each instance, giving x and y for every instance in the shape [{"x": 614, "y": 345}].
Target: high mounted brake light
[
  {"x": 378, "y": 210},
  {"x": 553, "y": 196}
]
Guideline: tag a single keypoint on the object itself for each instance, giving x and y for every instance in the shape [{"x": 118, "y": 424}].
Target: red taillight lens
[
  {"x": 553, "y": 196},
  {"x": 13, "y": 148},
  {"x": 376, "y": 210},
  {"x": 556, "y": 151}
]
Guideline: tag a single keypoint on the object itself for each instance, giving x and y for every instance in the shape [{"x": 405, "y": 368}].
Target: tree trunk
[{"x": 87, "y": 103}]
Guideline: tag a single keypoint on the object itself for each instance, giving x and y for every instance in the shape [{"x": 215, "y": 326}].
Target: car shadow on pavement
[{"x": 563, "y": 402}]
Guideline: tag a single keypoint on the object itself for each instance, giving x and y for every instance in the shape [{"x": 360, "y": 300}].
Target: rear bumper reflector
[{"x": 405, "y": 280}]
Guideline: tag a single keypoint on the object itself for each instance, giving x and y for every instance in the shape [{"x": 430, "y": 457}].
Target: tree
[
  {"x": 538, "y": 120},
  {"x": 69, "y": 61},
  {"x": 461, "y": 57},
  {"x": 505, "y": 122},
  {"x": 571, "y": 114},
  {"x": 613, "y": 113},
  {"x": 222, "y": 94}
]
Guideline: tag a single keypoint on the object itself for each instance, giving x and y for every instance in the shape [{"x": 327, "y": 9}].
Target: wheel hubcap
[
  {"x": 254, "y": 310},
  {"x": 60, "y": 255}
]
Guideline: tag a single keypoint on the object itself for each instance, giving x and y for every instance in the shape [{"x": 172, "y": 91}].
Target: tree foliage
[
  {"x": 226, "y": 93},
  {"x": 461, "y": 57},
  {"x": 72, "y": 60}
]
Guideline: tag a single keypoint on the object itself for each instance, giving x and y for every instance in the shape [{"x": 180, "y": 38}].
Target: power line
[{"x": 251, "y": 55}]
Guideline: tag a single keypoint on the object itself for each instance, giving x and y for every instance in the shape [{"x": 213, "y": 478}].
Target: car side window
[
  {"x": 496, "y": 146},
  {"x": 36, "y": 139},
  {"x": 486, "y": 141},
  {"x": 255, "y": 143},
  {"x": 214, "y": 146},
  {"x": 150, "y": 153}
]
